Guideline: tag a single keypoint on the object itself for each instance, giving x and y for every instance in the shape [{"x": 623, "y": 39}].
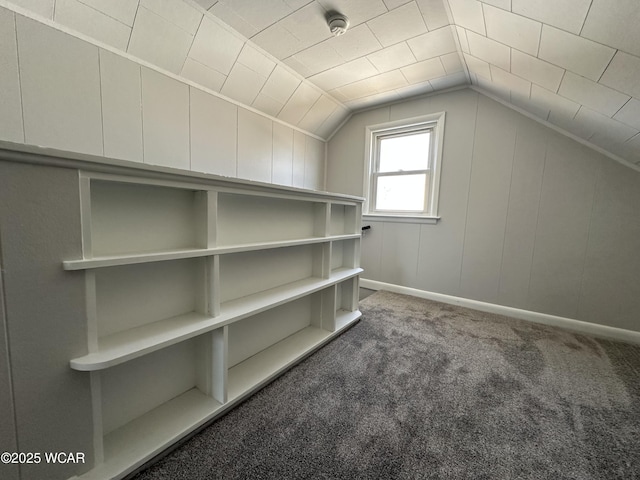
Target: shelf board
[
  {"x": 140, "y": 440},
  {"x": 136, "y": 342},
  {"x": 345, "y": 318},
  {"x": 179, "y": 254},
  {"x": 254, "y": 372}
]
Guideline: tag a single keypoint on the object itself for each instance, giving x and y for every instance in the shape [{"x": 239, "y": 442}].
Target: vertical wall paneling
[
  {"x": 400, "y": 243},
  {"x": 213, "y": 134},
  {"x": 568, "y": 188},
  {"x": 165, "y": 117},
  {"x": 522, "y": 215},
  {"x": 10, "y": 97},
  {"x": 64, "y": 111},
  {"x": 610, "y": 287},
  {"x": 255, "y": 146},
  {"x": 40, "y": 214},
  {"x": 488, "y": 199},
  {"x": 371, "y": 251},
  {"x": 121, "y": 107},
  {"x": 282, "y": 154},
  {"x": 8, "y": 438},
  {"x": 441, "y": 245},
  {"x": 299, "y": 147},
  {"x": 345, "y": 173},
  {"x": 314, "y": 164}
]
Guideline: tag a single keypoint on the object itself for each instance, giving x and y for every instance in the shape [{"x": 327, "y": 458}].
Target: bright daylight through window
[{"x": 405, "y": 167}]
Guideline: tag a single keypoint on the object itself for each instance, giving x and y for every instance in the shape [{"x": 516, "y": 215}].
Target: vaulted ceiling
[{"x": 572, "y": 63}]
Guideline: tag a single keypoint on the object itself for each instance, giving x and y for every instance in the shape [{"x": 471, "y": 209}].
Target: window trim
[{"x": 435, "y": 122}]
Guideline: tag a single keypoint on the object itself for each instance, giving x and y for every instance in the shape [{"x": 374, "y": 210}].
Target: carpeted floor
[{"x": 420, "y": 389}]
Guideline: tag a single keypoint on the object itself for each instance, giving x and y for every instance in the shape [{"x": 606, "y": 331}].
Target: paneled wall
[
  {"x": 61, "y": 92},
  {"x": 530, "y": 218}
]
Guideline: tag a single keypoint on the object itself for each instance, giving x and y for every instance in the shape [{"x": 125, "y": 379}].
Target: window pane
[
  {"x": 408, "y": 152},
  {"x": 401, "y": 193}
]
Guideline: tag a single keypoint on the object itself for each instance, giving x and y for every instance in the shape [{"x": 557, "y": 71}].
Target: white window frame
[{"x": 433, "y": 122}]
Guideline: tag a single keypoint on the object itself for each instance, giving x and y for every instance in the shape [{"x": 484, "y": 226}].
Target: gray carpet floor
[{"x": 420, "y": 389}]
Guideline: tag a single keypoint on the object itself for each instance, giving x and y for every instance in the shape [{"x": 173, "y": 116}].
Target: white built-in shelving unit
[{"x": 197, "y": 295}]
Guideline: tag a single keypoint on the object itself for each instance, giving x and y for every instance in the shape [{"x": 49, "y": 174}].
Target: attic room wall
[
  {"x": 62, "y": 92},
  {"x": 529, "y": 218}
]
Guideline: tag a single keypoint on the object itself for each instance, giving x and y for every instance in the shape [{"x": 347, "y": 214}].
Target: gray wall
[
  {"x": 62, "y": 92},
  {"x": 530, "y": 218}
]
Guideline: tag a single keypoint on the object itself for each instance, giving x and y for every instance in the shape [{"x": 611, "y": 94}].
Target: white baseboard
[{"x": 580, "y": 326}]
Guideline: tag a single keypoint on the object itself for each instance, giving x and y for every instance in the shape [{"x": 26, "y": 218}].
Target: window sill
[{"x": 400, "y": 218}]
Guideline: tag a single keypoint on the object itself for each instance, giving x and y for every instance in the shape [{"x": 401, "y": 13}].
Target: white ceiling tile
[
  {"x": 334, "y": 51},
  {"x": 243, "y": 84},
  {"x": 513, "y": 30},
  {"x": 477, "y": 66},
  {"x": 449, "y": 81},
  {"x": 462, "y": 37},
  {"x": 203, "y": 75},
  {"x": 373, "y": 100},
  {"x": 571, "y": 125},
  {"x": 369, "y": 86},
  {"x": 493, "y": 88},
  {"x": 433, "y": 44},
  {"x": 257, "y": 14},
  {"x": 356, "y": 43},
  {"x": 452, "y": 63},
  {"x": 566, "y": 14},
  {"x": 391, "y": 4},
  {"x": 344, "y": 74},
  {"x": 268, "y": 105},
  {"x": 231, "y": 17},
  {"x": 385, "y": 27},
  {"x": 468, "y": 14},
  {"x": 278, "y": 41},
  {"x": 11, "y": 126},
  {"x": 336, "y": 93},
  {"x": 615, "y": 24},
  {"x": 606, "y": 130},
  {"x": 503, "y": 4},
  {"x": 433, "y": 13},
  {"x": 299, "y": 104},
  {"x": 158, "y": 41},
  {"x": 509, "y": 81},
  {"x": 93, "y": 23},
  {"x": 574, "y": 53},
  {"x": 122, "y": 10},
  {"x": 41, "y": 7},
  {"x": 333, "y": 122},
  {"x": 416, "y": 89},
  {"x": 593, "y": 95},
  {"x": 553, "y": 102},
  {"x": 255, "y": 60},
  {"x": 180, "y": 14},
  {"x": 623, "y": 74},
  {"x": 489, "y": 50},
  {"x": 425, "y": 70},
  {"x": 206, "y": 4},
  {"x": 536, "y": 70},
  {"x": 281, "y": 84},
  {"x": 630, "y": 113},
  {"x": 304, "y": 70},
  {"x": 530, "y": 106},
  {"x": 393, "y": 57},
  {"x": 358, "y": 11},
  {"x": 308, "y": 25},
  {"x": 215, "y": 47},
  {"x": 318, "y": 114}
]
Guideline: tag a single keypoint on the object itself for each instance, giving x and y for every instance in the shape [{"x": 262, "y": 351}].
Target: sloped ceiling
[{"x": 573, "y": 63}]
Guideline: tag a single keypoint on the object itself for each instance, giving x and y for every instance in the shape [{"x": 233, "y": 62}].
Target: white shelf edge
[
  {"x": 134, "y": 343},
  {"x": 345, "y": 318},
  {"x": 140, "y": 440},
  {"x": 131, "y": 259}
]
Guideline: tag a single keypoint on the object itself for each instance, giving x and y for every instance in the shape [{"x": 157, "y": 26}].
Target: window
[{"x": 404, "y": 171}]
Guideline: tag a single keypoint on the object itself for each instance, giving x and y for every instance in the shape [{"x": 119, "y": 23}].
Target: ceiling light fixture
[{"x": 338, "y": 24}]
